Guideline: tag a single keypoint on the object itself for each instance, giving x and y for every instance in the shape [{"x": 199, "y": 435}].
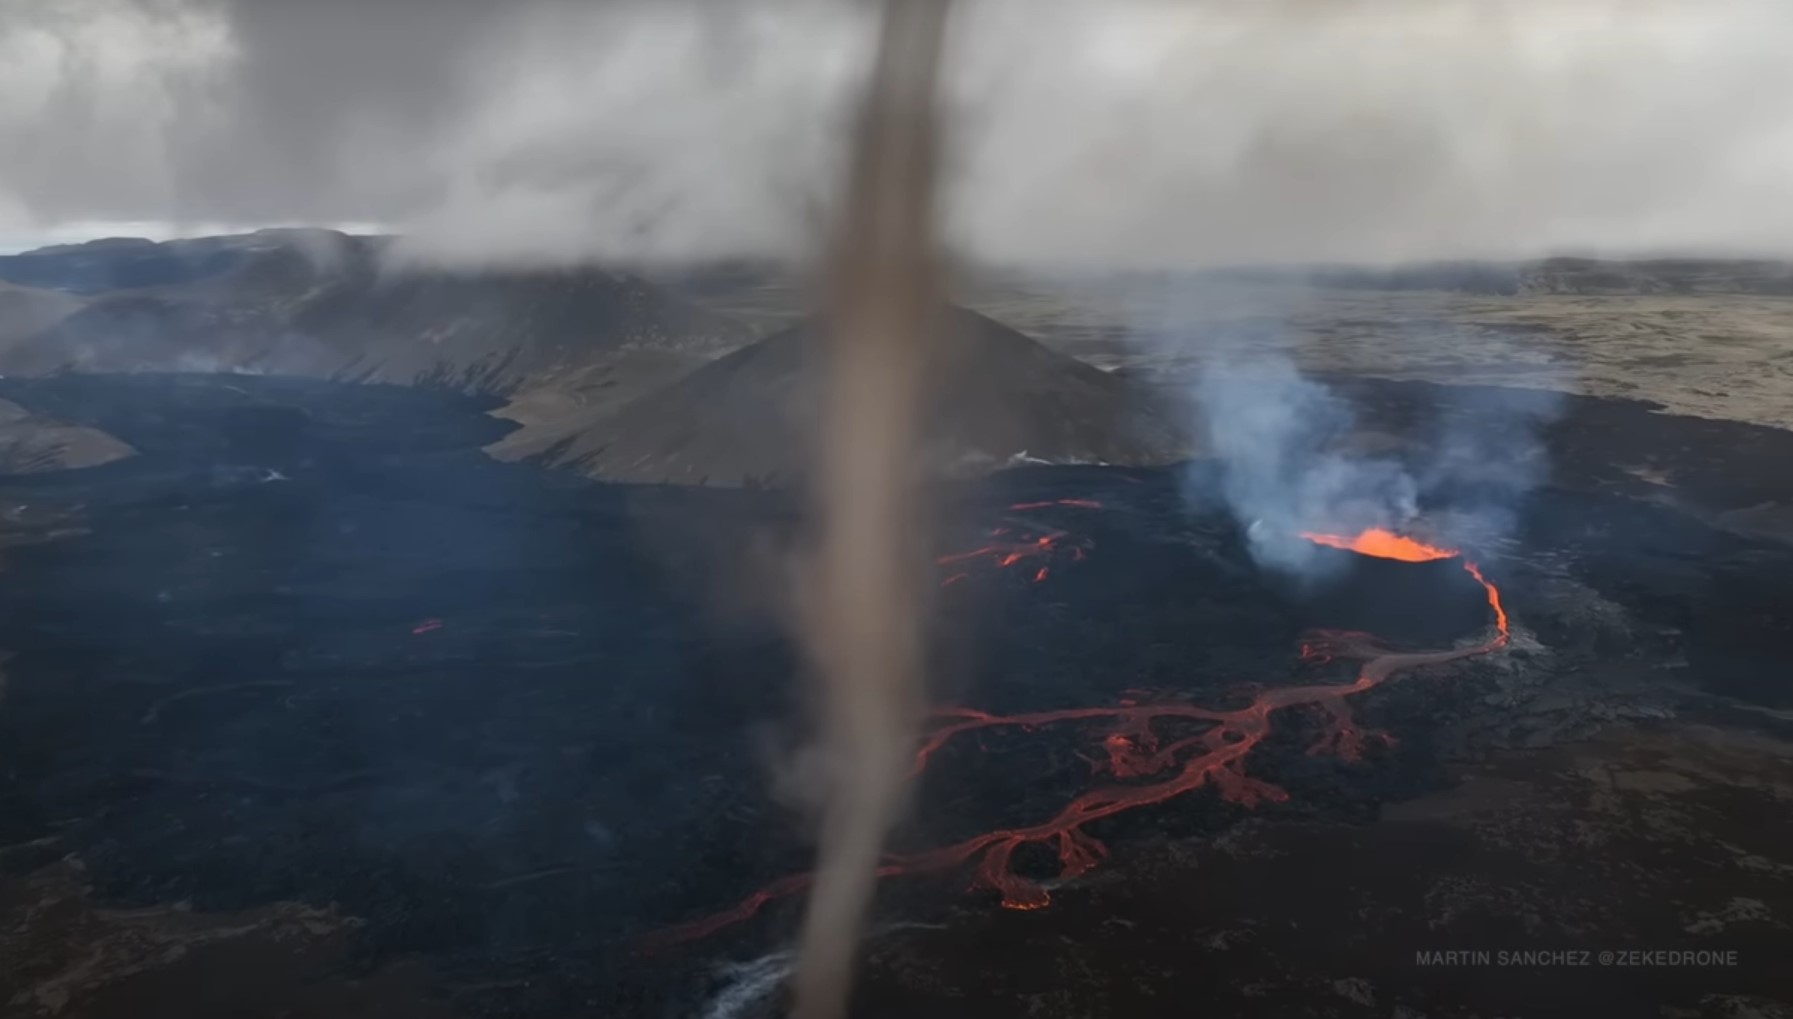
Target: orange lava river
[{"x": 1130, "y": 749}]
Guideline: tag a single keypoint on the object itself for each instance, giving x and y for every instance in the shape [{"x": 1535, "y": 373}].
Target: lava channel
[{"x": 1129, "y": 748}]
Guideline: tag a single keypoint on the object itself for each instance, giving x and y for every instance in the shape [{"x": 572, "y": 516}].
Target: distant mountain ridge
[
  {"x": 125, "y": 263},
  {"x": 1558, "y": 276},
  {"x": 321, "y": 303},
  {"x": 1659, "y": 276}
]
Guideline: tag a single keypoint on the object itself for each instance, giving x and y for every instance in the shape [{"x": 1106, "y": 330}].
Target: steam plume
[
  {"x": 1288, "y": 464},
  {"x": 1275, "y": 434},
  {"x": 862, "y": 628}
]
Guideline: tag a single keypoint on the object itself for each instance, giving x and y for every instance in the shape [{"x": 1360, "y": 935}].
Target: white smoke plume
[
  {"x": 1276, "y": 434},
  {"x": 746, "y": 985},
  {"x": 1292, "y": 459}
]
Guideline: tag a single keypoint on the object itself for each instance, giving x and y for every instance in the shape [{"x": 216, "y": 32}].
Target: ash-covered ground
[{"x": 313, "y": 709}]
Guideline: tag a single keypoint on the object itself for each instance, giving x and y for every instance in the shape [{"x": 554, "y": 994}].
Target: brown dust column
[{"x": 863, "y": 615}]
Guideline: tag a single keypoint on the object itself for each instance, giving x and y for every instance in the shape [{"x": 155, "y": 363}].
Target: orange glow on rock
[{"x": 1017, "y": 544}]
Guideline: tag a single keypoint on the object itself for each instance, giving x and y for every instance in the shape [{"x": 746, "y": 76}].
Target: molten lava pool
[{"x": 1400, "y": 588}]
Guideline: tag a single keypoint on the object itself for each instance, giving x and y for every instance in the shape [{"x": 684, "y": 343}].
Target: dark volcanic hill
[
  {"x": 999, "y": 398},
  {"x": 319, "y": 303}
]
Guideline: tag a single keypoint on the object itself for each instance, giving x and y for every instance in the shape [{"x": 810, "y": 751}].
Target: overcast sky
[{"x": 1186, "y": 132}]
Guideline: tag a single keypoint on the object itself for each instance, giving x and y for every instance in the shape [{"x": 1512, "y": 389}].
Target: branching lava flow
[{"x": 1130, "y": 747}]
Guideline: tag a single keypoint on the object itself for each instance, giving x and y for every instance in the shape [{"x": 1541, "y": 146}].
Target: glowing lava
[
  {"x": 1012, "y": 545},
  {"x": 1079, "y": 503},
  {"x": 1389, "y": 545},
  {"x": 1130, "y": 748},
  {"x": 1384, "y": 545}
]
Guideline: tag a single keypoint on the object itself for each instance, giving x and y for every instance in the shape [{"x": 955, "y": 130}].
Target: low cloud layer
[{"x": 1134, "y": 131}]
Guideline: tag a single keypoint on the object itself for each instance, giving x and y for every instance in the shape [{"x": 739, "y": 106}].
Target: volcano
[
  {"x": 313, "y": 705},
  {"x": 999, "y": 398},
  {"x": 1393, "y": 585}
]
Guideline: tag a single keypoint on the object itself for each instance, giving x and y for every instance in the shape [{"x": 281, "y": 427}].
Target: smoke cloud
[
  {"x": 1131, "y": 132},
  {"x": 1275, "y": 434},
  {"x": 1293, "y": 459}
]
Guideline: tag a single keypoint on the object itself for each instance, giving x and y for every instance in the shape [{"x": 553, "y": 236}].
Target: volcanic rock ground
[{"x": 313, "y": 709}]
